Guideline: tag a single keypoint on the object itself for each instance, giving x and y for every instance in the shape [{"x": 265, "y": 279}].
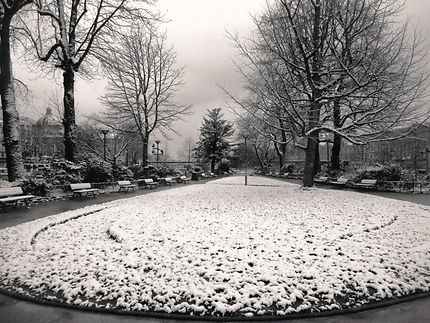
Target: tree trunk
[
  {"x": 145, "y": 151},
  {"x": 308, "y": 177},
  {"x": 260, "y": 161},
  {"x": 335, "y": 153},
  {"x": 69, "y": 121},
  {"x": 14, "y": 162},
  {"x": 312, "y": 156},
  {"x": 317, "y": 166},
  {"x": 212, "y": 164}
]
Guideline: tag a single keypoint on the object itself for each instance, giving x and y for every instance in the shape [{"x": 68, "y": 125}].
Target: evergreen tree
[{"x": 214, "y": 132}]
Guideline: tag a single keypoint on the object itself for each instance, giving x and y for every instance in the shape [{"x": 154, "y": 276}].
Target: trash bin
[{"x": 194, "y": 176}]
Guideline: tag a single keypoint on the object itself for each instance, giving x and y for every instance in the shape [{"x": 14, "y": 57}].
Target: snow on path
[{"x": 224, "y": 249}]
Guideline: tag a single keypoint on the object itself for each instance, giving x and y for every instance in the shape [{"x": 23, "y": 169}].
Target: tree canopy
[{"x": 213, "y": 142}]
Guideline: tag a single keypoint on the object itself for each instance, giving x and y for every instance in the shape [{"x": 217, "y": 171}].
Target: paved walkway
[{"x": 17, "y": 311}]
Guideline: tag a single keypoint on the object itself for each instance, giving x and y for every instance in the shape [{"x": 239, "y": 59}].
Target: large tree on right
[
  {"x": 213, "y": 143},
  {"x": 347, "y": 70}
]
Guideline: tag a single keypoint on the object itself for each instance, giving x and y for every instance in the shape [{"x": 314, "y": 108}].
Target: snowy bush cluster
[{"x": 217, "y": 249}]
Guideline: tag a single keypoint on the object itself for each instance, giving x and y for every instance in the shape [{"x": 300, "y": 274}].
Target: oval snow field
[{"x": 224, "y": 249}]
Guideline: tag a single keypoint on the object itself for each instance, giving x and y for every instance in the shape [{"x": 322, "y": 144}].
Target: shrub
[
  {"x": 143, "y": 172},
  {"x": 224, "y": 165},
  {"x": 288, "y": 168},
  {"x": 123, "y": 173},
  {"x": 389, "y": 172},
  {"x": 97, "y": 171},
  {"x": 64, "y": 172},
  {"x": 35, "y": 186},
  {"x": 165, "y": 170}
]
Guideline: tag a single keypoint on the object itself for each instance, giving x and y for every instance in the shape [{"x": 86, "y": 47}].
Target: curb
[{"x": 184, "y": 317}]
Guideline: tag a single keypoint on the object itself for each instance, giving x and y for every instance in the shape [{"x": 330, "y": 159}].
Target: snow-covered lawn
[{"x": 218, "y": 249}]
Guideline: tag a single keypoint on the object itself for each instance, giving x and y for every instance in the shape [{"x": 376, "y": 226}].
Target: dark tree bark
[
  {"x": 337, "y": 140},
  {"x": 14, "y": 162},
  {"x": 69, "y": 121},
  {"x": 145, "y": 151},
  {"x": 317, "y": 165},
  {"x": 213, "y": 164}
]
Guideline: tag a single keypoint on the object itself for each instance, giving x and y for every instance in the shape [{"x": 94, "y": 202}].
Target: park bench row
[
  {"x": 365, "y": 183},
  {"x": 14, "y": 195},
  {"x": 339, "y": 182},
  {"x": 85, "y": 189}
]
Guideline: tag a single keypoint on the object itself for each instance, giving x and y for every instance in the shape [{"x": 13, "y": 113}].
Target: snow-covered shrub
[
  {"x": 123, "y": 173},
  {"x": 97, "y": 171},
  {"x": 64, "y": 172},
  {"x": 143, "y": 172},
  {"x": 165, "y": 170},
  {"x": 386, "y": 173},
  {"x": 224, "y": 165},
  {"x": 35, "y": 186},
  {"x": 288, "y": 168}
]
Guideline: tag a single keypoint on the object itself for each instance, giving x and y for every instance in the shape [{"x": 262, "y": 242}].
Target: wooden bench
[
  {"x": 341, "y": 181},
  {"x": 149, "y": 183},
  {"x": 366, "y": 184},
  {"x": 183, "y": 179},
  {"x": 126, "y": 186},
  {"x": 167, "y": 181},
  {"x": 321, "y": 179},
  {"x": 12, "y": 195},
  {"x": 83, "y": 190}
]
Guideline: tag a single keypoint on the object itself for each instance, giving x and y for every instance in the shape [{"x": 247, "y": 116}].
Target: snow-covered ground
[{"x": 218, "y": 249}]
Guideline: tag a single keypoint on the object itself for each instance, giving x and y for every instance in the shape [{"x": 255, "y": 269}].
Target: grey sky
[{"x": 197, "y": 28}]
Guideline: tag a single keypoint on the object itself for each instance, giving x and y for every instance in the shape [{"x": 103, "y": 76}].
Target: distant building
[{"x": 42, "y": 139}]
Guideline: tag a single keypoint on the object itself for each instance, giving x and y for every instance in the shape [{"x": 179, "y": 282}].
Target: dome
[{"x": 47, "y": 119}]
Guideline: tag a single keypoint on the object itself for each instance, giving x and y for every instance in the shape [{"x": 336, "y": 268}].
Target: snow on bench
[
  {"x": 166, "y": 181},
  {"x": 321, "y": 179},
  {"x": 341, "y": 181},
  {"x": 12, "y": 195},
  {"x": 366, "y": 183},
  {"x": 126, "y": 186},
  {"x": 183, "y": 179},
  {"x": 149, "y": 183},
  {"x": 83, "y": 190}
]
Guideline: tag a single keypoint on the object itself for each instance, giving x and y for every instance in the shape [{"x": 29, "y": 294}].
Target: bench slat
[{"x": 10, "y": 191}]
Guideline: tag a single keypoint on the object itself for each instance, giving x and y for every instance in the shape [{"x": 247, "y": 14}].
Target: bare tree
[
  {"x": 186, "y": 153},
  {"x": 111, "y": 150},
  {"x": 64, "y": 33},
  {"x": 143, "y": 78},
  {"x": 14, "y": 162},
  {"x": 325, "y": 66}
]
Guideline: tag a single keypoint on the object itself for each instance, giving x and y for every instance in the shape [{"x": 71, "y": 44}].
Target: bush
[
  {"x": 288, "y": 168},
  {"x": 224, "y": 166},
  {"x": 385, "y": 173},
  {"x": 64, "y": 172},
  {"x": 97, "y": 171},
  {"x": 143, "y": 172},
  {"x": 123, "y": 173},
  {"x": 165, "y": 170},
  {"x": 35, "y": 186}
]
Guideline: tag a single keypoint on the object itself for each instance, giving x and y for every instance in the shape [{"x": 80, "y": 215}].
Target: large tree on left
[
  {"x": 14, "y": 162},
  {"x": 65, "y": 33}
]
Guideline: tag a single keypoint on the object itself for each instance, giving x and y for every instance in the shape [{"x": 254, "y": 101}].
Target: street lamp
[
  {"x": 246, "y": 161},
  {"x": 157, "y": 150},
  {"x": 104, "y": 132}
]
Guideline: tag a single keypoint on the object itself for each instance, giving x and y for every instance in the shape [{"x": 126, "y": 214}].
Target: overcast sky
[{"x": 197, "y": 29}]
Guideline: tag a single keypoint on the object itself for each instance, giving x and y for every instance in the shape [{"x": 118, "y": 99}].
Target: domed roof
[{"x": 47, "y": 120}]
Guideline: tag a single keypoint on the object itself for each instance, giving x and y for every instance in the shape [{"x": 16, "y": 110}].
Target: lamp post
[
  {"x": 428, "y": 160},
  {"x": 157, "y": 150},
  {"x": 104, "y": 132},
  {"x": 246, "y": 161}
]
